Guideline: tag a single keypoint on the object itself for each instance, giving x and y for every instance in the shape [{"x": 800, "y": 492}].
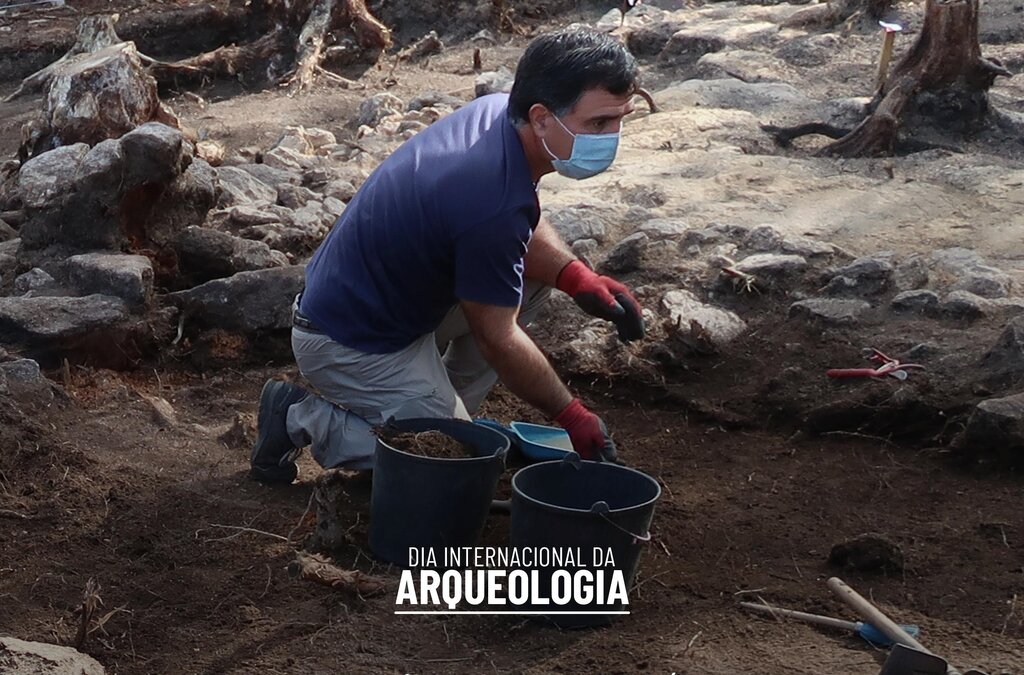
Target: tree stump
[{"x": 943, "y": 78}]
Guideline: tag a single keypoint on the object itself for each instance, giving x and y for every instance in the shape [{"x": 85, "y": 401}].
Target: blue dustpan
[{"x": 536, "y": 441}]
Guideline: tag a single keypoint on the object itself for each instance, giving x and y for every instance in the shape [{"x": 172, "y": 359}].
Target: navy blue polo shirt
[{"x": 447, "y": 217}]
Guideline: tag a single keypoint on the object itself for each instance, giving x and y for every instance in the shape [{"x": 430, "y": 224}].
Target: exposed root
[{"x": 317, "y": 568}]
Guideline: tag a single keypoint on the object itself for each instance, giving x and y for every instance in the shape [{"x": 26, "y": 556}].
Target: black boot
[{"x": 272, "y": 460}]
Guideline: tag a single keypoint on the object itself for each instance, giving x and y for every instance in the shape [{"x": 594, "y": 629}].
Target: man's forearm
[
  {"x": 524, "y": 369},
  {"x": 547, "y": 254}
]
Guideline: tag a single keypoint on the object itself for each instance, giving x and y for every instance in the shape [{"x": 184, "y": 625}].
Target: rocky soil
[{"x": 145, "y": 288}]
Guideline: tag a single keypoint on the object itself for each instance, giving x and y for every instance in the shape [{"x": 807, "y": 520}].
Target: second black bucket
[
  {"x": 573, "y": 505},
  {"x": 428, "y": 502}
]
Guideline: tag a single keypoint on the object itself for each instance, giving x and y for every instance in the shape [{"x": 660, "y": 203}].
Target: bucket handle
[{"x": 602, "y": 509}]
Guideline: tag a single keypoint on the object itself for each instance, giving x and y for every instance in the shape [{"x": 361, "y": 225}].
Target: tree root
[{"x": 317, "y": 568}]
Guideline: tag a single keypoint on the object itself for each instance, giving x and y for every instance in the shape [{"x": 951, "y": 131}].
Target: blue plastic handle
[{"x": 875, "y": 636}]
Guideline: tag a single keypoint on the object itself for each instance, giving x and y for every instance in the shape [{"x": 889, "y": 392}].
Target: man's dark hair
[{"x": 558, "y": 68}]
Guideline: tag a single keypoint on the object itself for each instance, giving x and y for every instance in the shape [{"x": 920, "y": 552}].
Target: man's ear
[{"x": 539, "y": 116}]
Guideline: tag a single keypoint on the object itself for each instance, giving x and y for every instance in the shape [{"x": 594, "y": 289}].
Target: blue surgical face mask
[{"x": 591, "y": 154}]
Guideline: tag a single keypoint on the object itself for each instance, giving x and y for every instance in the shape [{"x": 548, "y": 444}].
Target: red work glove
[
  {"x": 602, "y": 297},
  {"x": 588, "y": 433}
]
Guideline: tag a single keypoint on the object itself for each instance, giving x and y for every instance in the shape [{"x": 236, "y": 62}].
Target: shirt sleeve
[{"x": 489, "y": 261}]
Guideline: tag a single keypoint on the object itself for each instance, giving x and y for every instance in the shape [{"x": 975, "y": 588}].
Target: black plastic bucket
[
  {"x": 572, "y": 505},
  {"x": 433, "y": 502}
]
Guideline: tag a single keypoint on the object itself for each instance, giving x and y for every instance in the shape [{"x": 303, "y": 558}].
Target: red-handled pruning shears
[{"x": 888, "y": 367}]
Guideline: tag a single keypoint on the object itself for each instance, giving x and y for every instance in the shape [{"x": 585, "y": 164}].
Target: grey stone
[
  {"x": 650, "y": 40},
  {"x": 956, "y": 259},
  {"x": 333, "y": 208},
  {"x": 429, "y": 99},
  {"x": 10, "y": 247},
  {"x": 45, "y": 181},
  {"x": 33, "y": 280},
  {"x": 281, "y": 237},
  {"x": 295, "y": 196},
  {"x": 911, "y": 273},
  {"x": 205, "y": 254},
  {"x": 763, "y": 238},
  {"x": 129, "y": 277},
  {"x": 253, "y": 214},
  {"x": 996, "y": 427},
  {"x": 287, "y": 159},
  {"x": 295, "y": 138},
  {"x": 103, "y": 169},
  {"x": 239, "y": 186},
  {"x": 585, "y": 250},
  {"x": 862, "y": 277},
  {"x": 7, "y": 232},
  {"x": 576, "y": 223},
  {"x": 700, "y": 238},
  {"x": 250, "y": 302},
  {"x": 915, "y": 301},
  {"x": 184, "y": 203},
  {"x": 830, "y": 311},
  {"x": 8, "y": 267},
  {"x": 24, "y": 371},
  {"x": 988, "y": 282},
  {"x": 627, "y": 255},
  {"x": 664, "y": 228},
  {"x": 1006, "y": 356},
  {"x": 867, "y": 553},
  {"x": 341, "y": 190},
  {"x": 963, "y": 305},
  {"x": 38, "y": 658},
  {"x": 270, "y": 175},
  {"x": 720, "y": 325},
  {"x": 46, "y": 319},
  {"x": 691, "y": 44},
  {"x": 493, "y": 82},
  {"x": 760, "y": 98},
  {"x": 154, "y": 153},
  {"x": 377, "y": 107},
  {"x": 772, "y": 265},
  {"x": 732, "y": 231},
  {"x": 806, "y": 247}
]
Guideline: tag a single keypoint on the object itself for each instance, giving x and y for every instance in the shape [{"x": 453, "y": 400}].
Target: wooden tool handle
[
  {"x": 816, "y": 619},
  {"x": 875, "y": 617}
]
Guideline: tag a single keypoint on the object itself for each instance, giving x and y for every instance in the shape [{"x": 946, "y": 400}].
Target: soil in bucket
[
  {"x": 434, "y": 444},
  {"x": 602, "y": 513}
]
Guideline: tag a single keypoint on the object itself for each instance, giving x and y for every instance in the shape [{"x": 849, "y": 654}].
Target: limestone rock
[
  {"x": 962, "y": 305},
  {"x": 249, "y": 302},
  {"x": 34, "y": 280},
  {"x": 863, "y": 277},
  {"x": 996, "y": 427},
  {"x": 55, "y": 319},
  {"x": 627, "y": 255},
  {"x": 772, "y": 265},
  {"x": 377, "y": 107},
  {"x": 44, "y": 182},
  {"x": 911, "y": 274},
  {"x": 985, "y": 281},
  {"x": 829, "y": 311},
  {"x": 154, "y": 153},
  {"x": 720, "y": 325},
  {"x": 664, "y": 228},
  {"x": 238, "y": 186},
  {"x": 129, "y": 277},
  {"x": 205, "y": 254},
  {"x": 921, "y": 301},
  {"x": 493, "y": 82},
  {"x": 39, "y": 658},
  {"x": 1006, "y": 356},
  {"x": 576, "y": 223},
  {"x": 342, "y": 190}
]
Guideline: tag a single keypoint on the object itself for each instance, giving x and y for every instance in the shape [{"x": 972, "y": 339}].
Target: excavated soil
[
  {"x": 426, "y": 444},
  {"x": 191, "y": 554}
]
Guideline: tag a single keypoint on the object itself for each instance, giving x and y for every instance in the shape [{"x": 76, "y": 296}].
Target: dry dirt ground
[{"x": 94, "y": 486}]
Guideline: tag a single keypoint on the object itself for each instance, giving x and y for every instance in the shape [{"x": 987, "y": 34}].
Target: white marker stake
[{"x": 887, "y": 41}]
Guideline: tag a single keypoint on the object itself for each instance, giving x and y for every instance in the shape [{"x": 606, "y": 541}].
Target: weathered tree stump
[
  {"x": 943, "y": 78},
  {"x": 299, "y": 35}
]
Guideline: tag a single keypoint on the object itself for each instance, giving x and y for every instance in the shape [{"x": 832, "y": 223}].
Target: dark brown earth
[
  {"x": 426, "y": 444},
  {"x": 191, "y": 554}
]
